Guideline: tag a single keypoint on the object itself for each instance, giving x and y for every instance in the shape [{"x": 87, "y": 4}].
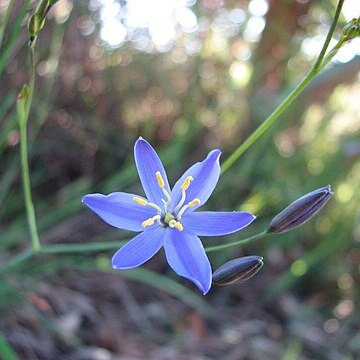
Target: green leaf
[{"x": 6, "y": 350}]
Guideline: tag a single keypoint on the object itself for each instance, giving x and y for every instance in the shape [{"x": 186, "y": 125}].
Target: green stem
[
  {"x": 269, "y": 121},
  {"x": 17, "y": 260},
  {"x": 319, "y": 62},
  {"x": 331, "y": 54},
  {"x": 238, "y": 243},
  {"x": 59, "y": 249},
  {"x": 5, "y": 20},
  {"x": 73, "y": 248},
  {"x": 31, "y": 80},
  {"x": 27, "y": 189},
  {"x": 23, "y": 120}
]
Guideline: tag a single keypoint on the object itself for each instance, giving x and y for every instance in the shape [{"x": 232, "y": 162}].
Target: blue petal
[
  {"x": 212, "y": 223},
  {"x": 205, "y": 177},
  {"x": 148, "y": 163},
  {"x": 186, "y": 255},
  {"x": 119, "y": 209},
  {"x": 139, "y": 250}
]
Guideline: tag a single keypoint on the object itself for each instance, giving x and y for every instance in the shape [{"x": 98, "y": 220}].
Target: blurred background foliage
[{"x": 189, "y": 76}]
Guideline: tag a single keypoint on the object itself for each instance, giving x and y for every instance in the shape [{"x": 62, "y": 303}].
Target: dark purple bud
[
  {"x": 301, "y": 210},
  {"x": 237, "y": 270}
]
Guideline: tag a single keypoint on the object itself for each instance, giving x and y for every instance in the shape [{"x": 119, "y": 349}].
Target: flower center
[{"x": 164, "y": 217}]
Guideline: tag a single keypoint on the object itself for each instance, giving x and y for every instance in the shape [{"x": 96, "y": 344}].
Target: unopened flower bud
[
  {"x": 351, "y": 30},
  {"x": 301, "y": 210},
  {"x": 34, "y": 26},
  {"x": 42, "y": 8},
  {"x": 37, "y": 19},
  {"x": 237, "y": 270}
]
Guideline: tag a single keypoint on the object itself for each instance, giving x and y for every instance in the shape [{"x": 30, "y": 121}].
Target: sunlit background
[{"x": 157, "y": 25}]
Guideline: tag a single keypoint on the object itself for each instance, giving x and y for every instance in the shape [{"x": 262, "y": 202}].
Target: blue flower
[{"x": 166, "y": 218}]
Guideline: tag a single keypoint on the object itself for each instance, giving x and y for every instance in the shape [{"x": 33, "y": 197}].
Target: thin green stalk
[
  {"x": 5, "y": 20},
  {"x": 318, "y": 64},
  {"x": 17, "y": 260},
  {"x": 59, "y": 249},
  {"x": 331, "y": 54},
  {"x": 27, "y": 189},
  {"x": 270, "y": 120},
  {"x": 31, "y": 80},
  {"x": 238, "y": 243},
  {"x": 84, "y": 247},
  {"x": 23, "y": 114}
]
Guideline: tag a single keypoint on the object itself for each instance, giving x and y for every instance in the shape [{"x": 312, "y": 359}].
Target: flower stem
[
  {"x": 59, "y": 249},
  {"x": 239, "y": 242},
  {"x": 23, "y": 120},
  {"x": 27, "y": 191},
  {"x": 17, "y": 260},
  {"x": 270, "y": 120},
  {"x": 74, "y": 248}
]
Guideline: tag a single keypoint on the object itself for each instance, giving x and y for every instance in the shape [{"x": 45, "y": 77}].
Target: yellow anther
[
  {"x": 176, "y": 224},
  {"x": 147, "y": 222},
  {"x": 144, "y": 202},
  {"x": 150, "y": 221},
  {"x": 160, "y": 179},
  {"x": 194, "y": 202},
  {"x": 179, "y": 226},
  {"x": 186, "y": 183},
  {"x": 190, "y": 204},
  {"x": 140, "y": 201}
]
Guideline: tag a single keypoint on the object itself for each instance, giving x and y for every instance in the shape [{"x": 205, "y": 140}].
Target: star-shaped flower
[{"x": 166, "y": 218}]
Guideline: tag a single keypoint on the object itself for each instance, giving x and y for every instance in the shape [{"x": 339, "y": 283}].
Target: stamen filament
[
  {"x": 144, "y": 202},
  {"x": 190, "y": 204},
  {"x": 150, "y": 221},
  {"x": 167, "y": 195},
  {"x": 165, "y": 205},
  {"x": 184, "y": 187}
]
